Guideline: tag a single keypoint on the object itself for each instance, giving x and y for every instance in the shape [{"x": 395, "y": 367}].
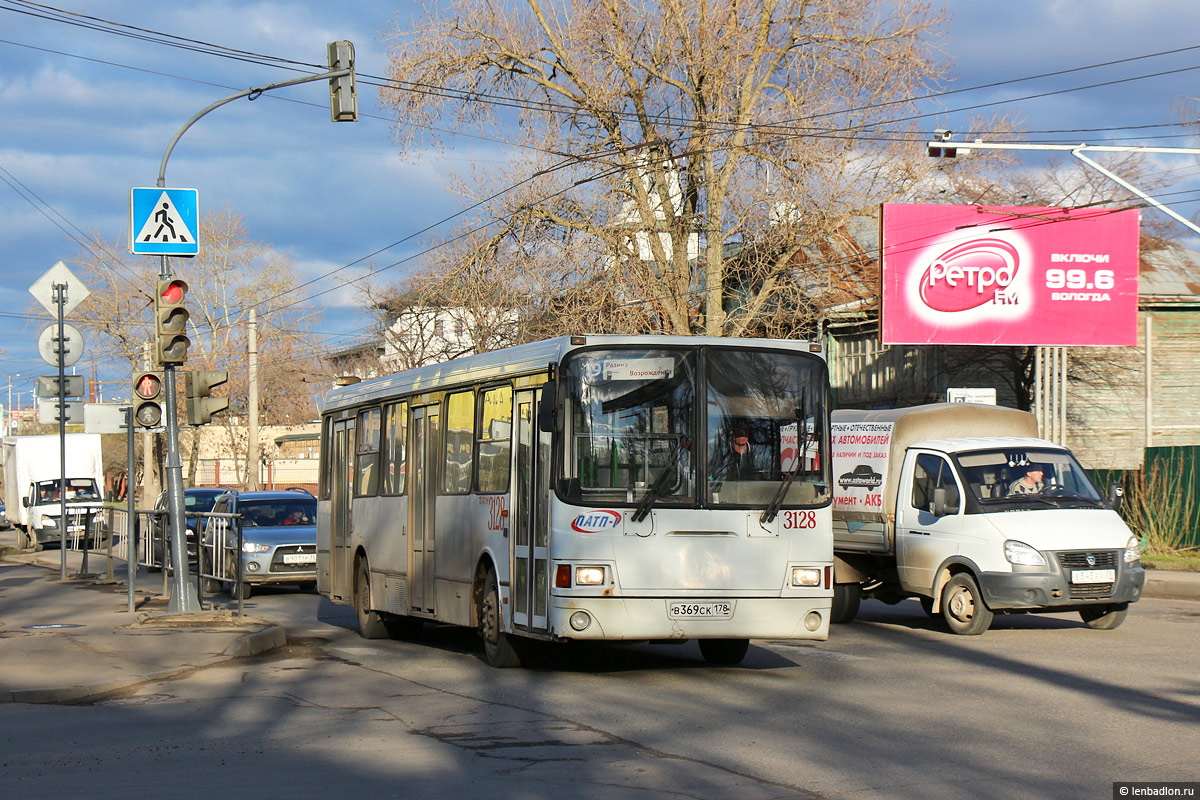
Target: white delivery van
[
  {"x": 964, "y": 508},
  {"x": 32, "y": 474}
]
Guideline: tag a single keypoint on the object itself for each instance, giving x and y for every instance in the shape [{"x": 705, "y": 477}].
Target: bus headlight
[
  {"x": 806, "y": 576},
  {"x": 580, "y": 620},
  {"x": 589, "y": 576}
]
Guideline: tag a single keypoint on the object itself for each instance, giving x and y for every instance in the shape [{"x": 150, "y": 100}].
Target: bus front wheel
[
  {"x": 498, "y": 649},
  {"x": 724, "y": 651}
]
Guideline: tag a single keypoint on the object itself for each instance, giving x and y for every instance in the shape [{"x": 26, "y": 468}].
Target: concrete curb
[
  {"x": 1172, "y": 586},
  {"x": 248, "y": 645}
]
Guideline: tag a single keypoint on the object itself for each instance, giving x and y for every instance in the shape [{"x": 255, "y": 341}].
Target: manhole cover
[{"x": 51, "y": 626}]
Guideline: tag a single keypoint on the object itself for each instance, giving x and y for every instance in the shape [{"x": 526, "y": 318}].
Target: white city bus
[{"x": 585, "y": 488}]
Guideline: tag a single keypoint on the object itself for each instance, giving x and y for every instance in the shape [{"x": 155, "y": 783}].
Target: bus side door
[
  {"x": 529, "y": 539},
  {"x": 341, "y": 489},
  {"x": 426, "y": 435}
]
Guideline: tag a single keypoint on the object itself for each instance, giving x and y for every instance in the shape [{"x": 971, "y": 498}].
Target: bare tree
[{"x": 651, "y": 137}]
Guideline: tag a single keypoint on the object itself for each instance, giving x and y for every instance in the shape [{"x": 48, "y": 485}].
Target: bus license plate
[
  {"x": 299, "y": 558},
  {"x": 681, "y": 609},
  {"x": 1093, "y": 575}
]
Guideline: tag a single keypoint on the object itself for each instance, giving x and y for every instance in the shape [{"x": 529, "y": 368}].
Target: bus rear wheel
[
  {"x": 498, "y": 649},
  {"x": 370, "y": 623},
  {"x": 724, "y": 651}
]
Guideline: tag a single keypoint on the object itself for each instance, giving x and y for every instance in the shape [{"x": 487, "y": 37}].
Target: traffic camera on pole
[
  {"x": 147, "y": 399},
  {"x": 343, "y": 100},
  {"x": 170, "y": 322},
  {"x": 199, "y": 385}
]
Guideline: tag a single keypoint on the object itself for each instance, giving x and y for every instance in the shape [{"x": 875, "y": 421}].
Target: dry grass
[{"x": 1160, "y": 504}]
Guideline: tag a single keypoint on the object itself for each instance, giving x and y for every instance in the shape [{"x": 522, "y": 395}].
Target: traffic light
[
  {"x": 343, "y": 101},
  {"x": 170, "y": 322},
  {"x": 147, "y": 399},
  {"x": 201, "y": 407}
]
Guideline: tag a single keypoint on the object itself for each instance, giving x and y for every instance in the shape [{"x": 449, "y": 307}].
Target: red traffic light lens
[
  {"x": 173, "y": 292},
  {"x": 148, "y": 386}
]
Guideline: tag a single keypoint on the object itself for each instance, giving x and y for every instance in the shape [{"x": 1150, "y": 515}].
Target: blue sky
[{"x": 87, "y": 115}]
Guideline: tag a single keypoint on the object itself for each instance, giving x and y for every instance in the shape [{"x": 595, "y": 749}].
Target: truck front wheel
[
  {"x": 846, "y": 597},
  {"x": 1104, "y": 618},
  {"x": 963, "y": 607}
]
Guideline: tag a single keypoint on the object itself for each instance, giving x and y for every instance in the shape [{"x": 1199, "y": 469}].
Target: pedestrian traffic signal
[
  {"x": 201, "y": 407},
  {"x": 147, "y": 399},
  {"x": 343, "y": 102},
  {"x": 170, "y": 322}
]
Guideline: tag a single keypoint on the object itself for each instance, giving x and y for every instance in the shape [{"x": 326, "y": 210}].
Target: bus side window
[
  {"x": 495, "y": 442},
  {"x": 460, "y": 442},
  {"x": 367, "y": 458},
  {"x": 395, "y": 429}
]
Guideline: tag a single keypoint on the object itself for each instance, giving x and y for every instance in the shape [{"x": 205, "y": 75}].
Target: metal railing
[{"x": 213, "y": 541}]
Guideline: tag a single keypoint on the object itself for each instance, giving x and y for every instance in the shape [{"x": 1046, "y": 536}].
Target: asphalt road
[{"x": 890, "y": 707}]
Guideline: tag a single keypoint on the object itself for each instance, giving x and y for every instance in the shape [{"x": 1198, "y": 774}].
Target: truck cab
[{"x": 43, "y": 502}]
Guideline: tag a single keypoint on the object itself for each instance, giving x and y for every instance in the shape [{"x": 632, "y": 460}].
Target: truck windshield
[
  {"x": 77, "y": 489},
  {"x": 1027, "y": 478}
]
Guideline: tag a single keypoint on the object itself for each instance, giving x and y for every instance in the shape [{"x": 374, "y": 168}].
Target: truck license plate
[
  {"x": 299, "y": 558},
  {"x": 1093, "y": 575},
  {"x": 682, "y": 609}
]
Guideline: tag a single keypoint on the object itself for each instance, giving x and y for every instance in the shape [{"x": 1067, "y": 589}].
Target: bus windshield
[
  {"x": 635, "y": 430},
  {"x": 765, "y": 428},
  {"x": 629, "y": 421}
]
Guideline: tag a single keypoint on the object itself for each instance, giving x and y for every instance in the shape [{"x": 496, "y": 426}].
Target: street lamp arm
[
  {"x": 1130, "y": 187},
  {"x": 255, "y": 92}
]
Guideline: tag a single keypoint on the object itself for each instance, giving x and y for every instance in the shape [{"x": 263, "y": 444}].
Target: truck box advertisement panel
[
  {"x": 860, "y": 456},
  {"x": 1009, "y": 275}
]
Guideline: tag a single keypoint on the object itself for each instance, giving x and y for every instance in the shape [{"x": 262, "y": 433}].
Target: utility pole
[{"x": 252, "y": 454}]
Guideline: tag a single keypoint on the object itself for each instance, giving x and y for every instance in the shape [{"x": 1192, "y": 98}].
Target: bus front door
[
  {"x": 422, "y": 508},
  {"x": 529, "y": 535},
  {"x": 341, "y": 489}
]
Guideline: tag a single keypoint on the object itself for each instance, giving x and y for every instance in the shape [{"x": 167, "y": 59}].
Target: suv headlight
[
  {"x": 255, "y": 547},
  {"x": 1021, "y": 553}
]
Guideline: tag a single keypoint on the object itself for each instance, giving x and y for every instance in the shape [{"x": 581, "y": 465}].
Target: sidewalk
[
  {"x": 92, "y": 644},
  {"x": 63, "y": 642}
]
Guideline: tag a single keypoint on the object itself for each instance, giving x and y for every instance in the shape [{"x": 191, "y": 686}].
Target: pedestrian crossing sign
[{"x": 163, "y": 222}]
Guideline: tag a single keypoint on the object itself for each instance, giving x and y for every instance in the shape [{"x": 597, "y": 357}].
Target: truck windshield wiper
[{"x": 658, "y": 487}]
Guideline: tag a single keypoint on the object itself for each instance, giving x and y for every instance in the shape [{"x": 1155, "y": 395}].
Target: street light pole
[
  {"x": 943, "y": 146},
  {"x": 183, "y": 597}
]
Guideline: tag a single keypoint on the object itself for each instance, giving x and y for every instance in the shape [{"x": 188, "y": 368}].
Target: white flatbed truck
[{"x": 963, "y": 507}]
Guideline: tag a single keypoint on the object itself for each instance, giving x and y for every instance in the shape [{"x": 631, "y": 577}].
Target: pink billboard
[{"x": 1009, "y": 275}]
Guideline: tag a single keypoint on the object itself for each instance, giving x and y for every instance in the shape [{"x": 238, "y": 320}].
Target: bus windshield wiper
[
  {"x": 772, "y": 509},
  {"x": 656, "y": 489}
]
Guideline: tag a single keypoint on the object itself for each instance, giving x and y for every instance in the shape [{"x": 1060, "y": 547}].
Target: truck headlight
[
  {"x": 47, "y": 522},
  {"x": 1132, "y": 551},
  {"x": 1021, "y": 553}
]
